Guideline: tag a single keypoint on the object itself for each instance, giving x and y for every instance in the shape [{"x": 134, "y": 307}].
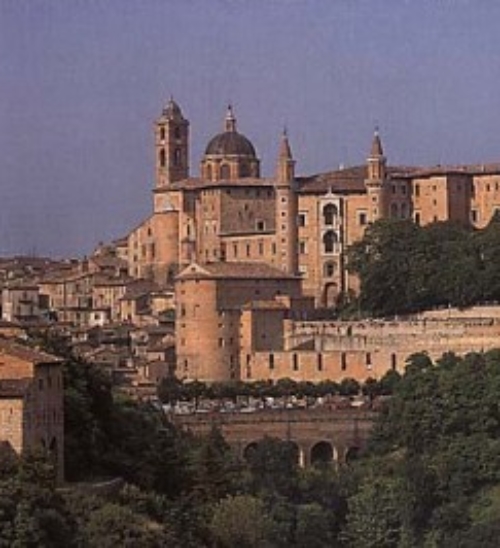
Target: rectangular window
[
  {"x": 295, "y": 362},
  {"x": 271, "y": 361},
  {"x": 302, "y": 219},
  {"x": 320, "y": 362},
  {"x": 362, "y": 218},
  {"x": 302, "y": 247},
  {"x": 343, "y": 361}
]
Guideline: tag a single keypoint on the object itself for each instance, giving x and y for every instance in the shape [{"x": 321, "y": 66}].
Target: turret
[
  {"x": 375, "y": 179},
  {"x": 286, "y": 163},
  {"x": 286, "y": 209}
]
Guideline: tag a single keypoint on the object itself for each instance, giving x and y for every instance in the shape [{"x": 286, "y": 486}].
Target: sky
[{"x": 82, "y": 81}]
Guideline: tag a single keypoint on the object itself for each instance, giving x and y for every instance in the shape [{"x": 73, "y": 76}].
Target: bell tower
[{"x": 171, "y": 146}]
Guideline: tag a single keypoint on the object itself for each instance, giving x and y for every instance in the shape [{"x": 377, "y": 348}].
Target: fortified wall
[{"x": 316, "y": 351}]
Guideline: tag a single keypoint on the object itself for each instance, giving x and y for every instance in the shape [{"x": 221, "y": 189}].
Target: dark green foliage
[
  {"x": 405, "y": 268},
  {"x": 435, "y": 450}
]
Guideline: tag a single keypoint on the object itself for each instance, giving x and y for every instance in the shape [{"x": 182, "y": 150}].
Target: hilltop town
[{"x": 235, "y": 277}]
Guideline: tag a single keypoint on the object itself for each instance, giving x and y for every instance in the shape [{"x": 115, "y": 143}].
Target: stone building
[
  {"x": 231, "y": 219},
  {"x": 297, "y": 224},
  {"x": 31, "y": 401}
]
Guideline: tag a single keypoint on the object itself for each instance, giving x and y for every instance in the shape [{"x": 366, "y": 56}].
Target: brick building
[
  {"x": 31, "y": 401},
  {"x": 230, "y": 217}
]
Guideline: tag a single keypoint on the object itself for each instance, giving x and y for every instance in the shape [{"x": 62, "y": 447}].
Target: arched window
[
  {"x": 177, "y": 157},
  {"x": 224, "y": 172},
  {"x": 394, "y": 211},
  {"x": 177, "y": 132},
  {"x": 209, "y": 172},
  {"x": 329, "y": 241},
  {"x": 404, "y": 211},
  {"x": 244, "y": 170},
  {"x": 329, "y": 269},
  {"x": 162, "y": 157},
  {"x": 330, "y": 212},
  {"x": 162, "y": 133}
]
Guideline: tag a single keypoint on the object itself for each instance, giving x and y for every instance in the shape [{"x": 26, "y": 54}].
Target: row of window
[
  {"x": 319, "y": 362},
  {"x": 162, "y": 157}
]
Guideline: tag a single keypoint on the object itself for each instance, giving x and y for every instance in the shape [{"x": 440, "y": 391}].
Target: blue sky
[{"x": 81, "y": 82}]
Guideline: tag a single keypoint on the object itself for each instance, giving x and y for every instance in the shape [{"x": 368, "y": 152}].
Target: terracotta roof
[
  {"x": 27, "y": 353},
  {"x": 472, "y": 169},
  {"x": 349, "y": 180},
  {"x": 137, "y": 288},
  {"x": 236, "y": 270},
  {"x": 199, "y": 184},
  {"x": 105, "y": 280}
]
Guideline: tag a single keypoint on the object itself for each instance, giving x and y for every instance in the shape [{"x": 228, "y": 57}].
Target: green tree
[{"x": 243, "y": 521}]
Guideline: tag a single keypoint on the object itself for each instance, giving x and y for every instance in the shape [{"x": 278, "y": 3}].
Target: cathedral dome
[{"x": 230, "y": 143}]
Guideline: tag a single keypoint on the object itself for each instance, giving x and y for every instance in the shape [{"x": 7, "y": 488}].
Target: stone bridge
[{"x": 320, "y": 435}]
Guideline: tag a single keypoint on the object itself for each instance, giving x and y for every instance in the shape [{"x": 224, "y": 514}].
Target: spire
[
  {"x": 376, "y": 160},
  {"x": 285, "y": 150},
  {"x": 376, "y": 150},
  {"x": 230, "y": 121},
  {"x": 286, "y": 163}
]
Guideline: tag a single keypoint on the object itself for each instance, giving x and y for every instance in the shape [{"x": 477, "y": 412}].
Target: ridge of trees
[
  {"x": 405, "y": 268},
  {"x": 430, "y": 476}
]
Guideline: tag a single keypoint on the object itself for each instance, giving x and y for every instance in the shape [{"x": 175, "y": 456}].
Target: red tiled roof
[
  {"x": 27, "y": 353},
  {"x": 350, "y": 180},
  {"x": 236, "y": 270},
  {"x": 199, "y": 184}
]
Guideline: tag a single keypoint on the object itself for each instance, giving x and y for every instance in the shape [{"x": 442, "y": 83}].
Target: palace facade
[
  {"x": 250, "y": 255},
  {"x": 300, "y": 225}
]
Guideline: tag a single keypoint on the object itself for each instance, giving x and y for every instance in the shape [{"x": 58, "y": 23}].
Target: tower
[
  {"x": 171, "y": 146},
  {"x": 286, "y": 209},
  {"x": 376, "y": 178}
]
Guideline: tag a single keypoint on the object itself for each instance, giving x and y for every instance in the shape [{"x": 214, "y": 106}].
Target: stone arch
[
  {"x": 330, "y": 294},
  {"x": 249, "y": 450},
  {"x": 329, "y": 269},
  {"x": 296, "y": 449},
  {"x": 330, "y": 238},
  {"x": 330, "y": 214},
  {"x": 322, "y": 452},
  {"x": 351, "y": 454},
  {"x": 225, "y": 172}
]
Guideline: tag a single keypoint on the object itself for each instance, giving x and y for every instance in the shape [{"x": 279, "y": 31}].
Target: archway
[
  {"x": 322, "y": 453},
  {"x": 331, "y": 294},
  {"x": 351, "y": 454},
  {"x": 250, "y": 450}
]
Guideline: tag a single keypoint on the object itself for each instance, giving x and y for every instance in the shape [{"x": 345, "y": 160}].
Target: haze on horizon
[{"x": 82, "y": 82}]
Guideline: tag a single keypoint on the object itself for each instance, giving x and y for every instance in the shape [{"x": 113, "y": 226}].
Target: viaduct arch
[{"x": 321, "y": 435}]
